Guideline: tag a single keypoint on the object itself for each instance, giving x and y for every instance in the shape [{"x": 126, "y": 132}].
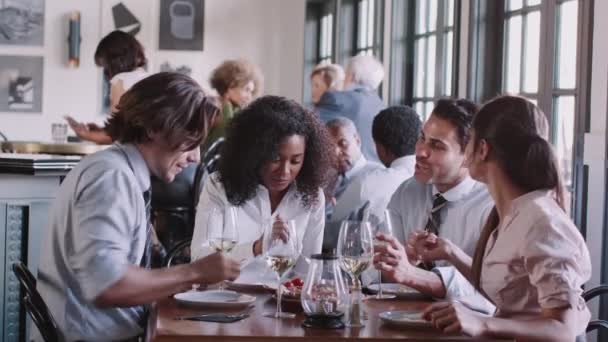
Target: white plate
[
  {"x": 412, "y": 319},
  {"x": 401, "y": 291},
  {"x": 215, "y": 299}
]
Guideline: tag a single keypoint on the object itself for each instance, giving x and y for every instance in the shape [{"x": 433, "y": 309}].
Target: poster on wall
[
  {"x": 181, "y": 25},
  {"x": 22, "y": 22},
  {"x": 21, "y": 80}
]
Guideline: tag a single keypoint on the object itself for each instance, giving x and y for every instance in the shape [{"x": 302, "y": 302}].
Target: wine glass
[
  {"x": 281, "y": 251},
  {"x": 382, "y": 226},
  {"x": 222, "y": 232},
  {"x": 355, "y": 250}
]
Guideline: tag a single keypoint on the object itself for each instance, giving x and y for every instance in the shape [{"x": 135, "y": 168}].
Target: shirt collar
[
  {"x": 360, "y": 163},
  {"x": 354, "y": 87},
  {"x": 459, "y": 191},
  {"x": 137, "y": 163},
  {"x": 406, "y": 162}
]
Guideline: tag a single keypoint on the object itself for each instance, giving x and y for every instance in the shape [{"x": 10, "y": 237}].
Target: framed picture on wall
[
  {"x": 21, "y": 80},
  {"x": 22, "y": 22},
  {"x": 181, "y": 25}
]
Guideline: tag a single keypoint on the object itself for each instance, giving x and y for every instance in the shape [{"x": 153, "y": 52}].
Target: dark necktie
[
  {"x": 146, "y": 260},
  {"x": 434, "y": 221}
]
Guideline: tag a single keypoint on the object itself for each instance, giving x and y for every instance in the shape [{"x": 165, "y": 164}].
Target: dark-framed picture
[
  {"x": 22, "y": 22},
  {"x": 21, "y": 79},
  {"x": 181, "y": 25}
]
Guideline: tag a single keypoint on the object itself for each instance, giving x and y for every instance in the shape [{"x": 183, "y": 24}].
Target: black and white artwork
[
  {"x": 22, "y": 22},
  {"x": 21, "y": 80},
  {"x": 181, "y": 25},
  {"x": 183, "y": 68}
]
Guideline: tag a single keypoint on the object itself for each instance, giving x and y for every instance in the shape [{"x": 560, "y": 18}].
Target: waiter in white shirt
[
  {"x": 395, "y": 131},
  {"x": 441, "y": 198}
]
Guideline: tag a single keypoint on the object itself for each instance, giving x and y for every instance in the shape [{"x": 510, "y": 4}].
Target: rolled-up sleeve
[
  {"x": 457, "y": 287},
  {"x": 557, "y": 262},
  {"x": 105, "y": 225}
]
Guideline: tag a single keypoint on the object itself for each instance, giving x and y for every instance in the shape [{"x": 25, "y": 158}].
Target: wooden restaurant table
[{"x": 163, "y": 327}]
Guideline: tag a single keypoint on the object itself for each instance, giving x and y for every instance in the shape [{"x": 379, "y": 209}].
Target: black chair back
[
  {"x": 179, "y": 254},
  {"x": 35, "y": 305}
]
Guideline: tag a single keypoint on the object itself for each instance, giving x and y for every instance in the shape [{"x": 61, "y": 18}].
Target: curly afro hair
[{"x": 253, "y": 138}]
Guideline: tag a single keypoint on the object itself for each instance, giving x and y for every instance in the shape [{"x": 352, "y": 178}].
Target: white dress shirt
[
  {"x": 376, "y": 186},
  {"x": 251, "y": 218},
  {"x": 462, "y": 219}
]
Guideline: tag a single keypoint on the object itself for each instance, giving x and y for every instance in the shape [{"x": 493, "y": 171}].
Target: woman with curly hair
[
  {"x": 272, "y": 167},
  {"x": 237, "y": 82}
]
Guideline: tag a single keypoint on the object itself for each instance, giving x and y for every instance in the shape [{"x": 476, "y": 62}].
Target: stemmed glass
[
  {"x": 355, "y": 250},
  {"x": 222, "y": 232},
  {"x": 384, "y": 227},
  {"x": 281, "y": 252}
]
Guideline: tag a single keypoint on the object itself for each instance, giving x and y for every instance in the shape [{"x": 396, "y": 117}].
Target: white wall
[{"x": 268, "y": 32}]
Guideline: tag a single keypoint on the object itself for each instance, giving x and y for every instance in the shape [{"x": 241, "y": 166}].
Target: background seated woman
[{"x": 272, "y": 167}]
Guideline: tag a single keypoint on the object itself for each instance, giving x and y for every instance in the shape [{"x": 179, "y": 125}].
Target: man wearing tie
[{"x": 440, "y": 198}]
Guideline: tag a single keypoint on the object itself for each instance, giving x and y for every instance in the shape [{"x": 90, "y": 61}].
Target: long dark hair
[
  {"x": 253, "y": 138},
  {"x": 119, "y": 52},
  {"x": 515, "y": 132}
]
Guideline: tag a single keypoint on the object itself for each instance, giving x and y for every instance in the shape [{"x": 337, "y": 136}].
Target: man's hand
[
  {"x": 392, "y": 259},
  {"x": 429, "y": 247},
  {"x": 216, "y": 267}
]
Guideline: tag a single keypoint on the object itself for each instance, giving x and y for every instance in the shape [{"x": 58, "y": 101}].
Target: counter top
[{"x": 37, "y": 164}]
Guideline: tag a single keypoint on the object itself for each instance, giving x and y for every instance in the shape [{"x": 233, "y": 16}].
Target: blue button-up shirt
[{"x": 97, "y": 229}]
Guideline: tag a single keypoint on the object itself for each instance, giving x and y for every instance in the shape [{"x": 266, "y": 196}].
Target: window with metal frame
[{"x": 423, "y": 55}]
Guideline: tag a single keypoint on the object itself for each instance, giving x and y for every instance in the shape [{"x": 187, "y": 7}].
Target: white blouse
[
  {"x": 536, "y": 259},
  {"x": 252, "y": 216}
]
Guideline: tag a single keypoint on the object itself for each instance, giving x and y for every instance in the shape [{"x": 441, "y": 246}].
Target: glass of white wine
[
  {"x": 382, "y": 226},
  {"x": 281, "y": 251},
  {"x": 222, "y": 232},
  {"x": 355, "y": 250}
]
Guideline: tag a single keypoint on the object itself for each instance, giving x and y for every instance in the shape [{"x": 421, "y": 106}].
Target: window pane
[
  {"x": 432, "y": 15},
  {"x": 514, "y": 5},
  {"x": 370, "y": 23},
  {"x": 419, "y": 108},
  {"x": 362, "y": 29},
  {"x": 533, "y": 2},
  {"x": 421, "y": 16},
  {"x": 531, "y": 57},
  {"x": 564, "y": 138},
  {"x": 447, "y": 62},
  {"x": 512, "y": 67},
  {"x": 428, "y": 108},
  {"x": 430, "y": 67},
  {"x": 419, "y": 67},
  {"x": 566, "y": 45},
  {"x": 449, "y": 13}
]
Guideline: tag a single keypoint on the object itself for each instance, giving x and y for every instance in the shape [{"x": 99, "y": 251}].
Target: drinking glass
[
  {"x": 222, "y": 232},
  {"x": 281, "y": 251},
  {"x": 382, "y": 226},
  {"x": 355, "y": 251}
]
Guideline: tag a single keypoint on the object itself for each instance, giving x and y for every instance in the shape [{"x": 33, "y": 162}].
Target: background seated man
[
  {"x": 441, "y": 198},
  {"x": 359, "y": 101},
  {"x": 93, "y": 268},
  {"x": 350, "y": 164},
  {"x": 395, "y": 131}
]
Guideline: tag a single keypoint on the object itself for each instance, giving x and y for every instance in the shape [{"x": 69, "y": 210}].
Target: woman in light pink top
[{"x": 531, "y": 260}]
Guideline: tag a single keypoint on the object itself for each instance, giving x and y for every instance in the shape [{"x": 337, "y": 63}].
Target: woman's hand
[
  {"x": 455, "y": 318},
  {"x": 391, "y": 258},
  {"x": 280, "y": 230}
]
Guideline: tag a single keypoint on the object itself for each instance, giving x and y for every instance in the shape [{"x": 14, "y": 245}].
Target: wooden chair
[{"x": 179, "y": 254}]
